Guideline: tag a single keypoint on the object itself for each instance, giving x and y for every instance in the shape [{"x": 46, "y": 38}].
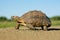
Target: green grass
[
  {"x": 6, "y": 24},
  {"x": 55, "y": 23}
]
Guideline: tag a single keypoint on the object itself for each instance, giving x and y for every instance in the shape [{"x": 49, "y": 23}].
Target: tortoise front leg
[{"x": 17, "y": 26}]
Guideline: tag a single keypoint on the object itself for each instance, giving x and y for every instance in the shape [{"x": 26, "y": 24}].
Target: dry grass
[{"x": 12, "y": 34}]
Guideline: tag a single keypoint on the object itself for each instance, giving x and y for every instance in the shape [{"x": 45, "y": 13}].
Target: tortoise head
[
  {"x": 14, "y": 17},
  {"x": 19, "y": 20}
]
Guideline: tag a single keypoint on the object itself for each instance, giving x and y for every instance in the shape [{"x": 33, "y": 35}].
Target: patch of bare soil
[{"x": 26, "y": 34}]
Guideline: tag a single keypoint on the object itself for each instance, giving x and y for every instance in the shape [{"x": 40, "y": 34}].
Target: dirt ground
[{"x": 26, "y": 34}]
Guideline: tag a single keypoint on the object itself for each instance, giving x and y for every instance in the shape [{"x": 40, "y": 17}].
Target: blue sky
[{"x": 9, "y": 8}]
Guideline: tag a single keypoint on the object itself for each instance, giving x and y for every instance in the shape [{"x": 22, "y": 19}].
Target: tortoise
[{"x": 33, "y": 19}]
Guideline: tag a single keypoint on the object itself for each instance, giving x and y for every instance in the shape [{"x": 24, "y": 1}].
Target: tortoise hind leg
[{"x": 45, "y": 28}]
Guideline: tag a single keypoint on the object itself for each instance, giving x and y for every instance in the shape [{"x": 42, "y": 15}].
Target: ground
[{"x": 26, "y": 34}]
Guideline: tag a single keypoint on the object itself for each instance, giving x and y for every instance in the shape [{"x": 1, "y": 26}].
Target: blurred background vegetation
[
  {"x": 5, "y": 22},
  {"x": 55, "y": 20}
]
